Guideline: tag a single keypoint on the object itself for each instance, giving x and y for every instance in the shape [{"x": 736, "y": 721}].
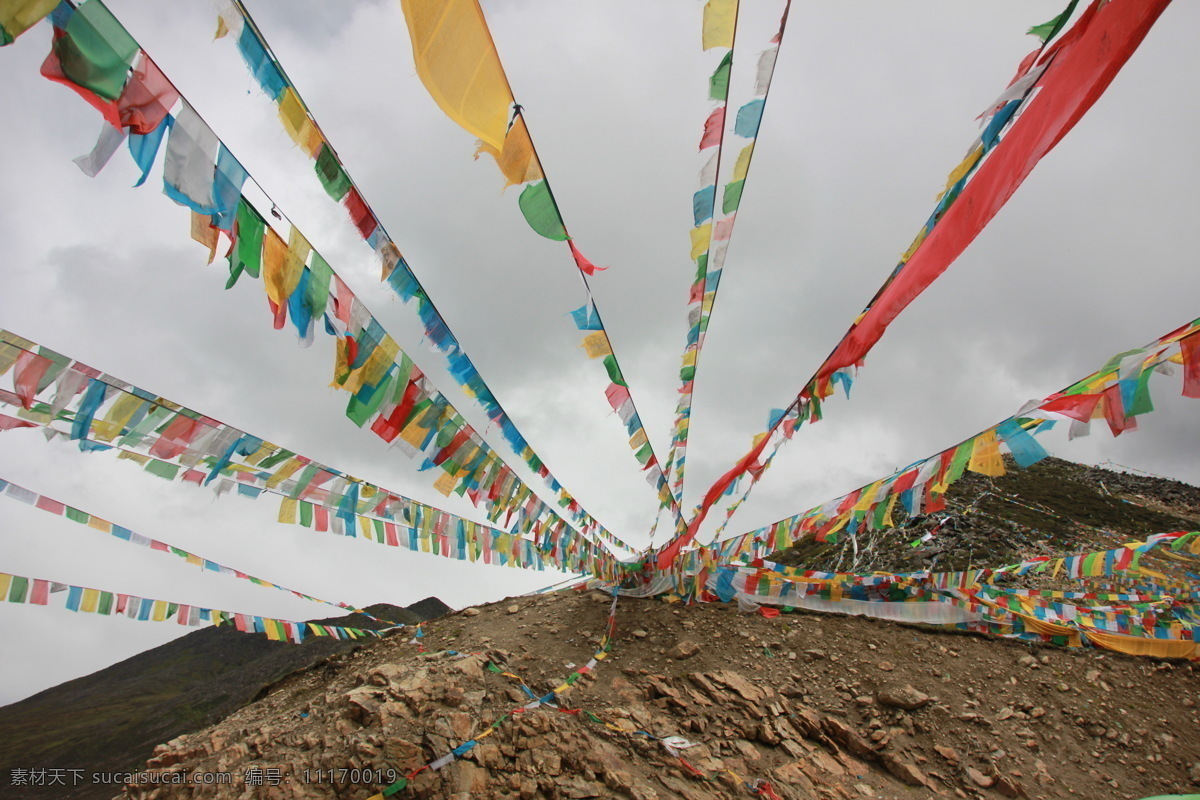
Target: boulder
[
  {"x": 905, "y": 697},
  {"x": 685, "y": 648}
]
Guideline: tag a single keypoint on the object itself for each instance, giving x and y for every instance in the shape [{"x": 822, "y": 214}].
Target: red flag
[
  {"x": 175, "y": 439},
  {"x": 1085, "y": 63},
  {"x": 362, "y": 217},
  {"x": 585, "y": 266},
  {"x": 617, "y": 395},
  {"x": 8, "y": 423},
  {"x": 27, "y": 375},
  {"x": 671, "y": 550},
  {"x": 713, "y": 126},
  {"x": 1189, "y": 346},
  {"x": 52, "y": 69},
  {"x": 1075, "y": 406},
  {"x": 146, "y": 98},
  {"x": 388, "y": 427}
]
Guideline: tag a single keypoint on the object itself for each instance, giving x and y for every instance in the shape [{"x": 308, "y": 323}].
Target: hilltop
[
  {"x": 814, "y": 705},
  {"x": 821, "y": 706},
  {"x": 818, "y": 706}
]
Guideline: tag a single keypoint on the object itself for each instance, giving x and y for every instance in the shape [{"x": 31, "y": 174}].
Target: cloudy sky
[{"x": 873, "y": 103}]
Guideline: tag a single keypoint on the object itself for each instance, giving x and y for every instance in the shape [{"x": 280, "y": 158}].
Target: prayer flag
[
  {"x": 457, "y": 61},
  {"x": 720, "y": 17},
  {"x": 537, "y": 204}
]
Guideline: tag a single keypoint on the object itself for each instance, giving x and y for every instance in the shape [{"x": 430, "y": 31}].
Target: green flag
[
  {"x": 97, "y": 52},
  {"x": 718, "y": 84},
  {"x": 537, "y": 204},
  {"x": 333, "y": 176}
]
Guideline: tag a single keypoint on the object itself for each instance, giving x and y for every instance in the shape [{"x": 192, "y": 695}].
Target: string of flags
[
  {"x": 713, "y": 225},
  {"x": 389, "y": 393},
  {"x": 41, "y": 592},
  {"x": 1138, "y": 610},
  {"x": 457, "y": 61},
  {"x": 174, "y": 442},
  {"x": 1054, "y": 87},
  {"x": 1117, "y": 393},
  {"x": 236, "y": 24},
  {"x": 1140, "y": 618},
  {"x": 20, "y": 494}
]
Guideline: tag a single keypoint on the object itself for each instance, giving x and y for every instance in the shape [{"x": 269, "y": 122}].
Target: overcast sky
[{"x": 873, "y": 103}]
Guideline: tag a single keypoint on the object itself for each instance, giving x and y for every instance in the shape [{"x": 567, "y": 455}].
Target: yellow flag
[
  {"x": 912, "y": 248},
  {"x": 91, "y": 600},
  {"x": 457, "y": 61},
  {"x": 742, "y": 165},
  {"x": 887, "y": 517},
  {"x": 287, "y": 511},
  {"x": 274, "y": 253},
  {"x": 285, "y": 471},
  {"x": 376, "y": 366},
  {"x": 293, "y": 263},
  {"x": 341, "y": 364},
  {"x": 114, "y": 421},
  {"x": 1139, "y": 646},
  {"x": 9, "y": 354},
  {"x": 596, "y": 345},
  {"x": 700, "y": 238},
  {"x": 867, "y": 497},
  {"x": 17, "y": 16},
  {"x": 720, "y": 17},
  {"x": 960, "y": 172},
  {"x": 413, "y": 433},
  {"x": 445, "y": 484},
  {"x": 985, "y": 458},
  {"x": 262, "y": 452},
  {"x": 517, "y": 160},
  {"x": 297, "y": 123},
  {"x": 204, "y": 233}
]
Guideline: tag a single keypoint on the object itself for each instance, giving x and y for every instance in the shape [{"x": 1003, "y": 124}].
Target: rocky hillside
[
  {"x": 705, "y": 702},
  {"x": 818, "y": 706},
  {"x": 112, "y": 719},
  {"x": 1051, "y": 508}
]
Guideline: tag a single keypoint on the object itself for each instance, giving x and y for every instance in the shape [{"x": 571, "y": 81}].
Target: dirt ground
[{"x": 818, "y": 706}]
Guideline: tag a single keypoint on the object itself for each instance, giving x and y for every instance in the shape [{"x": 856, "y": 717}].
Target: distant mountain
[
  {"x": 112, "y": 719},
  {"x": 430, "y": 608}
]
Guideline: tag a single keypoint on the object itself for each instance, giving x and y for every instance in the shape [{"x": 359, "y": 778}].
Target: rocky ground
[
  {"x": 819, "y": 706},
  {"x": 1052, "y": 508}
]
